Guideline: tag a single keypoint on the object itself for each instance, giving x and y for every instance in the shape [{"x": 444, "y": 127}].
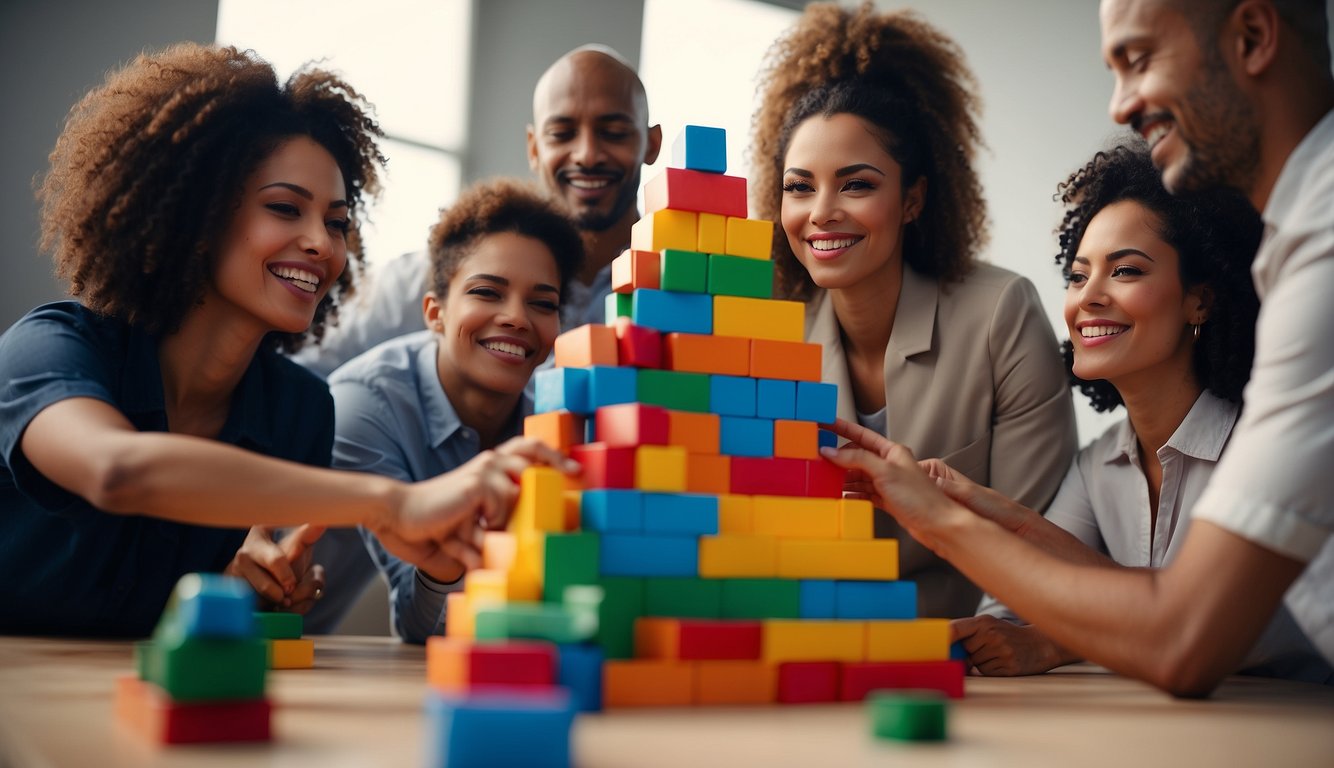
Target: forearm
[{"x": 1055, "y": 540}]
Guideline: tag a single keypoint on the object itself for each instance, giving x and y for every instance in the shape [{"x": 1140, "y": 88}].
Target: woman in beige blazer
[{"x": 864, "y": 142}]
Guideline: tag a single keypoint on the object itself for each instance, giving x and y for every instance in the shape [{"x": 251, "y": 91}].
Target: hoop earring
[{"x": 1197, "y": 331}]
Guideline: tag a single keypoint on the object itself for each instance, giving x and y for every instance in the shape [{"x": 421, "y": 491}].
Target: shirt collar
[
  {"x": 915, "y": 316},
  {"x": 442, "y": 420},
  {"x": 1201, "y": 435},
  {"x": 1286, "y": 194}
]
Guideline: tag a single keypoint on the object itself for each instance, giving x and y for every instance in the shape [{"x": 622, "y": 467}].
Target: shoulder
[
  {"x": 391, "y": 361},
  {"x": 991, "y": 284},
  {"x": 63, "y": 335}
]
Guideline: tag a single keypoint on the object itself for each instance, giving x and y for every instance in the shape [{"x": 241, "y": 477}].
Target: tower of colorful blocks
[{"x": 728, "y": 568}]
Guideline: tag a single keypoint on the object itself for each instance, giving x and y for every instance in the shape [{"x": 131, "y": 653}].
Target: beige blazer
[{"x": 973, "y": 376}]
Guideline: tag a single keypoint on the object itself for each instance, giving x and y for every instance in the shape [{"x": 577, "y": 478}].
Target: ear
[
  {"x": 1252, "y": 34},
  {"x": 914, "y": 199},
  {"x": 1198, "y": 303},
  {"x": 433, "y": 312},
  {"x": 654, "y": 144},
  {"x": 532, "y": 149}
]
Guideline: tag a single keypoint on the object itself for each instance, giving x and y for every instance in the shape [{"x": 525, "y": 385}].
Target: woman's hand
[
  {"x": 1000, "y": 649},
  {"x": 281, "y": 572}
]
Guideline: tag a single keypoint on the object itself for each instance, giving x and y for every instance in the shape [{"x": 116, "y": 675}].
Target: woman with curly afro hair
[
  {"x": 864, "y": 144},
  {"x": 1161, "y": 310},
  {"x": 204, "y": 215}
]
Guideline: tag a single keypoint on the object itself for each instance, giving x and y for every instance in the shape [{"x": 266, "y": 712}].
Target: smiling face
[
  {"x": 286, "y": 244},
  {"x": 1127, "y": 312},
  {"x": 590, "y": 137},
  {"x": 499, "y": 319},
  {"x": 844, "y": 207},
  {"x": 1179, "y": 96}
]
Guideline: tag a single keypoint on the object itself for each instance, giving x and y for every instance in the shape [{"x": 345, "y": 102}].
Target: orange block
[
  {"x": 458, "y": 616},
  {"x": 796, "y": 439},
  {"x": 697, "y": 353},
  {"x": 587, "y": 345},
  {"x": 708, "y": 473},
  {"x": 696, "y": 432},
  {"x": 792, "y": 360},
  {"x": 736, "y": 514},
  {"x": 657, "y": 638},
  {"x": 558, "y": 429},
  {"x": 499, "y": 550},
  {"x": 635, "y": 269},
  {"x": 572, "y": 516},
  {"x": 735, "y": 682},
  {"x": 647, "y": 684}
]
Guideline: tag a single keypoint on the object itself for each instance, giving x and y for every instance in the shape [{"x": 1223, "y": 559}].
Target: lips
[
  {"x": 506, "y": 348},
  {"x": 1092, "y": 333},
  {"x": 830, "y": 245},
  {"x": 300, "y": 277},
  {"x": 589, "y": 183}
]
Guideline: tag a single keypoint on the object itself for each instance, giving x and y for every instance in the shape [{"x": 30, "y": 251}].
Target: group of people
[{"x": 205, "y": 217}]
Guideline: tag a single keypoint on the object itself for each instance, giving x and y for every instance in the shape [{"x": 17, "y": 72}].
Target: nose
[
  {"x": 513, "y": 313},
  {"x": 1093, "y": 293},
  {"x": 1125, "y": 101},
  {"x": 587, "y": 149},
  {"x": 315, "y": 240},
  {"x": 826, "y": 207}
]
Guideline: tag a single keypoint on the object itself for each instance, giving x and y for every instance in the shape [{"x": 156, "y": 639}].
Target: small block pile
[
  {"x": 908, "y": 715},
  {"x": 287, "y": 648}
]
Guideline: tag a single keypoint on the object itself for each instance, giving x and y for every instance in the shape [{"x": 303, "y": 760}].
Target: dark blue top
[{"x": 67, "y": 567}]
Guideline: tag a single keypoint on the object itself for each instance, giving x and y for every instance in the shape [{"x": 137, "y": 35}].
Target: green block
[
  {"x": 685, "y": 271},
  {"x": 673, "y": 389},
  {"x": 568, "y": 558},
  {"x": 683, "y": 598},
  {"x": 203, "y": 669},
  {"x": 908, "y": 715},
  {"x": 740, "y": 276},
  {"x": 533, "y": 621},
  {"x": 761, "y": 599},
  {"x": 279, "y": 626},
  {"x": 617, "y": 305},
  {"x": 622, "y": 603}
]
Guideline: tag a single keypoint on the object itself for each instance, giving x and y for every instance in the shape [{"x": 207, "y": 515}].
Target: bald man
[{"x": 588, "y": 141}]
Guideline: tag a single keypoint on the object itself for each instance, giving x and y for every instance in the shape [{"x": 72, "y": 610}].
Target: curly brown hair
[
  {"x": 499, "y": 205},
  {"x": 148, "y": 171},
  {"x": 909, "y": 81},
  {"x": 1215, "y": 234}
]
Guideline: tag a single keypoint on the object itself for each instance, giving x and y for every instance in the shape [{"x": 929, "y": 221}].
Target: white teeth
[
  {"x": 303, "y": 279},
  {"x": 1095, "y": 331},
  {"x": 589, "y": 183},
  {"x": 832, "y": 245},
  {"x": 1156, "y": 134},
  {"x": 507, "y": 348}
]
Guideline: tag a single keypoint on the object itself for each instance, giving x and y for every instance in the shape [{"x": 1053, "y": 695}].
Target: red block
[
  {"x": 859, "y": 679},
  {"x": 720, "y": 639},
  {"x": 824, "y": 479},
  {"x": 458, "y": 665},
  {"x": 605, "y": 467},
  {"x": 635, "y": 269},
  {"x": 630, "y": 424},
  {"x": 685, "y": 190},
  {"x": 769, "y": 477},
  {"x": 639, "y": 346},
  {"x": 149, "y": 710},
  {"x": 807, "y": 682}
]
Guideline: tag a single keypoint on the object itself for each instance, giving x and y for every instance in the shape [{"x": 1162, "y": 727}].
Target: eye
[
  {"x": 338, "y": 225},
  {"x": 484, "y": 292},
  {"x": 616, "y": 134},
  {"x": 797, "y": 185},
  {"x": 857, "y": 185},
  {"x": 286, "y": 209},
  {"x": 545, "y": 305},
  {"x": 1125, "y": 270},
  {"x": 559, "y": 137},
  {"x": 1075, "y": 278}
]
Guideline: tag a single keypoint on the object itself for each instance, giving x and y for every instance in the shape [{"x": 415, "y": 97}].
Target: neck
[
  {"x": 600, "y": 248},
  {"x": 1289, "y": 112},
  {"x": 202, "y": 363},
  {"x": 1156, "y": 409},
  {"x": 487, "y": 413},
  {"x": 865, "y": 311}
]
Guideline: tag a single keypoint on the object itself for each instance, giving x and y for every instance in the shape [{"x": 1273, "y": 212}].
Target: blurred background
[{"x": 452, "y": 83}]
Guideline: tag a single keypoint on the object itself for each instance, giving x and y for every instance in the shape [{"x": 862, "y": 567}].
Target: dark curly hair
[
  {"x": 1215, "y": 234},
  {"x": 148, "y": 171},
  {"x": 909, "y": 81},
  {"x": 495, "y": 206}
]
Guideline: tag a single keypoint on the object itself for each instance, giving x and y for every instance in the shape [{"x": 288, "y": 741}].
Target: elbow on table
[{"x": 1190, "y": 669}]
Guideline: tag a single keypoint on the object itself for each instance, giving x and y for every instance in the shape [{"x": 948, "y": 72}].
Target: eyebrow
[
  {"x": 846, "y": 170},
  {"x": 1117, "y": 255},
  {"x": 610, "y": 117},
  {"x": 303, "y": 192},
  {"x": 498, "y": 280}
]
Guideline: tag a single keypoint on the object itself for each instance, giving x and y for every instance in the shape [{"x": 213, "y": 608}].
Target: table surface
[{"x": 362, "y": 706}]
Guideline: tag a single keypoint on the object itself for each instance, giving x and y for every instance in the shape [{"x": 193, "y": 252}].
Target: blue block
[
  {"x": 212, "y": 605},
  {"x": 957, "y": 651},
  {"x": 612, "y": 510},
  {"x": 625, "y": 554},
  {"x": 775, "y": 399},
  {"x": 681, "y": 514},
  {"x": 608, "y": 385},
  {"x": 732, "y": 396},
  {"x": 579, "y": 668},
  {"x": 669, "y": 311},
  {"x": 480, "y": 730},
  {"x": 817, "y": 598},
  {"x": 817, "y": 402},
  {"x": 739, "y": 436},
  {"x": 824, "y": 438},
  {"x": 701, "y": 148},
  {"x": 556, "y": 389},
  {"x": 590, "y": 430},
  {"x": 875, "y": 600}
]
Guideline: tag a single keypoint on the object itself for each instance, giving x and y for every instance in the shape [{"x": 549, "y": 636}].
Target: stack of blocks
[
  {"x": 709, "y": 540},
  {"x": 201, "y": 676},
  {"x": 287, "y": 648}
]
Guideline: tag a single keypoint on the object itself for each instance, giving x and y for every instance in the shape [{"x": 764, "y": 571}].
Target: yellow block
[
  {"x": 667, "y": 228},
  {"x": 712, "y": 233},
  {"x": 541, "y": 505},
  {"x": 752, "y": 238},
  {"x": 500, "y": 586},
  {"x": 735, "y": 513},
  {"x": 774, "y": 319},
  {"x": 858, "y": 518},
  {"x": 458, "y": 616},
  {"x": 806, "y": 640},
  {"x": 912, "y": 640},
  {"x": 876, "y": 560},
  {"x": 660, "y": 467},
  {"x": 572, "y": 519},
  {"x": 738, "y": 556},
  {"x": 794, "y": 517},
  {"x": 292, "y": 653},
  {"x": 499, "y": 550}
]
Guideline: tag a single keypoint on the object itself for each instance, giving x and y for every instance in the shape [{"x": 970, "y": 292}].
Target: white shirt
[{"x": 1275, "y": 485}]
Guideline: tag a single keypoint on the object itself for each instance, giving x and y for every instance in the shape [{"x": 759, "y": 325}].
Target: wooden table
[{"x": 362, "y": 706}]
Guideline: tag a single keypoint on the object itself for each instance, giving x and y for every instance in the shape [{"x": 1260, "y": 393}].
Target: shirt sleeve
[
  {"x": 416, "y": 603},
  {"x": 1274, "y": 482}
]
